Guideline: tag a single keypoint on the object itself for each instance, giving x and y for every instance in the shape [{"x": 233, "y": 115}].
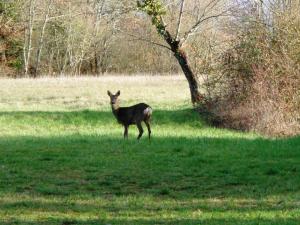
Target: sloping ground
[{"x": 65, "y": 162}]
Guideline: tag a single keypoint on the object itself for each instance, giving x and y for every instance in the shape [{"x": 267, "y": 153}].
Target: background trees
[
  {"x": 10, "y": 37},
  {"x": 82, "y": 37},
  {"x": 98, "y": 36}
]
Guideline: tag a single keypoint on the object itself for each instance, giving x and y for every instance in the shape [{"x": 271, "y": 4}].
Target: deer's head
[{"x": 113, "y": 98}]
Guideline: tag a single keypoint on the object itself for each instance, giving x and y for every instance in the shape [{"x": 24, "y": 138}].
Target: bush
[
  {"x": 260, "y": 78},
  {"x": 10, "y": 39}
]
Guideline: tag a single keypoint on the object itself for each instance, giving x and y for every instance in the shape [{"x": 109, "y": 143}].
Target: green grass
[{"x": 73, "y": 167}]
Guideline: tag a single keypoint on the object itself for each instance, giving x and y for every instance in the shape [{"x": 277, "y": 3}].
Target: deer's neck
[{"x": 115, "y": 109}]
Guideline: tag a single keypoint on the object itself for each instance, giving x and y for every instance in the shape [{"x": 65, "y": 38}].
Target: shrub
[{"x": 260, "y": 78}]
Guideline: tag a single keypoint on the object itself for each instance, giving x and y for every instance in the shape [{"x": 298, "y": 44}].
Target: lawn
[{"x": 63, "y": 159}]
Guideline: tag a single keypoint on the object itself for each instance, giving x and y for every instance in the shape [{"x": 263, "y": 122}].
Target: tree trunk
[
  {"x": 180, "y": 55},
  {"x": 27, "y": 48},
  {"x": 41, "y": 41},
  {"x": 196, "y": 97},
  {"x": 3, "y": 57},
  {"x": 96, "y": 71}
]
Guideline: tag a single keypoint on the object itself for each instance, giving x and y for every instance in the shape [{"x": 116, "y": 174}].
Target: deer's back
[{"x": 132, "y": 114}]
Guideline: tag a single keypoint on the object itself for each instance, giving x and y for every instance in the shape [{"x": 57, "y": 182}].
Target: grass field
[{"x": 63, "y": 160}]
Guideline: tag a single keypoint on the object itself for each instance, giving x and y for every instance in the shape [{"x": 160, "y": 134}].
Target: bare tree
[
  {"x": 155, "y": 9},
  {"x": 99, "y": 6},
  {"x": 27, "y": 47},
  {"x": 41, "y": 39},
  {"x": 81, "y": 37}
]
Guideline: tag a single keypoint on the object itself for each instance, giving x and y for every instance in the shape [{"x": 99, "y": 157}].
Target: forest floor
[{"x": 63, "y": 159}]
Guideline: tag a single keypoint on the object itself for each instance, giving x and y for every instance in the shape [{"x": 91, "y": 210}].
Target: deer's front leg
[{"x": 125, "y": 131}]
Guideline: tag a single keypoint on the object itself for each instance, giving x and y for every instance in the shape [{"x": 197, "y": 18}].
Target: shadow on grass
[
  {"x": 210, "y": 221},
  {"x": 175, "y": 167}
]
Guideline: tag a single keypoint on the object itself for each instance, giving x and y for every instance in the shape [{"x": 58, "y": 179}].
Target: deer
[{"x": 132, "y": 115}]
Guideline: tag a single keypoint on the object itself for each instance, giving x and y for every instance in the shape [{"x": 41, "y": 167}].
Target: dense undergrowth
[{"x": 254, "y": 84}]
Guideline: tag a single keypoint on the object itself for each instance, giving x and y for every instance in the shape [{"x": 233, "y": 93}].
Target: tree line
[{"x": 55, "y": 37}]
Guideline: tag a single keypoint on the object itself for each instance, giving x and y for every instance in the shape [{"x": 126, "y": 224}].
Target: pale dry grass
[{"x": 69, "y": 93}]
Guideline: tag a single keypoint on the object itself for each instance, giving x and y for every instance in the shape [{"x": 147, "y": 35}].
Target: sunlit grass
[
  {"x": 147, "y": 210},
  {"x": 48, "y": 94},
  {"x": 65, "y": 162}
]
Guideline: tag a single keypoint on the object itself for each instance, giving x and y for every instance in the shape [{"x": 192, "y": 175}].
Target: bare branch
[
  {"x": 179, "y": 20},
  {"x": 64, "y": 15},
  {"x": 137, "y": 38},
  {"x": 151, "y": 42},
  {"x": 211, "y": 5},
  {"x": 197, "y": 25}
]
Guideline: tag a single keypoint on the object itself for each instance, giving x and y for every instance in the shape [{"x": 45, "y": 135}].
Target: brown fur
[{"x": 131, "y": 115}]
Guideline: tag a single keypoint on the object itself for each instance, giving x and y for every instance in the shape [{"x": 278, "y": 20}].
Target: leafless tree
[
  {"x": 28, "y": 31},
  {"x": 41, "y": 39},
  {"x": 175, "y": 42}
]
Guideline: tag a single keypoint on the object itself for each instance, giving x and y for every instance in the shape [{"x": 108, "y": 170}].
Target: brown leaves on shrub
[{"x": 260, "y": 85}]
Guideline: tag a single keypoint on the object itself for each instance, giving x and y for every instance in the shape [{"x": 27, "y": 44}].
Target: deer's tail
[{"x": 148, "y": 113}]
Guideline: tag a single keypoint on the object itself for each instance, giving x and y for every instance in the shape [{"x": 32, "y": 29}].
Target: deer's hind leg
[
  {"x": 148, "y": 127},
  {"x": 141, "y": 130}
]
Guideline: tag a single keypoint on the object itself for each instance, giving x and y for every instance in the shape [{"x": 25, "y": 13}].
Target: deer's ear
[
  {"x": 118, "y": 93},
  {"x": 109, "y": 93}
]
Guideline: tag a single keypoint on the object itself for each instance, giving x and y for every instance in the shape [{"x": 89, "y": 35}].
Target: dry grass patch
[{"x": 90, "y": 92}]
